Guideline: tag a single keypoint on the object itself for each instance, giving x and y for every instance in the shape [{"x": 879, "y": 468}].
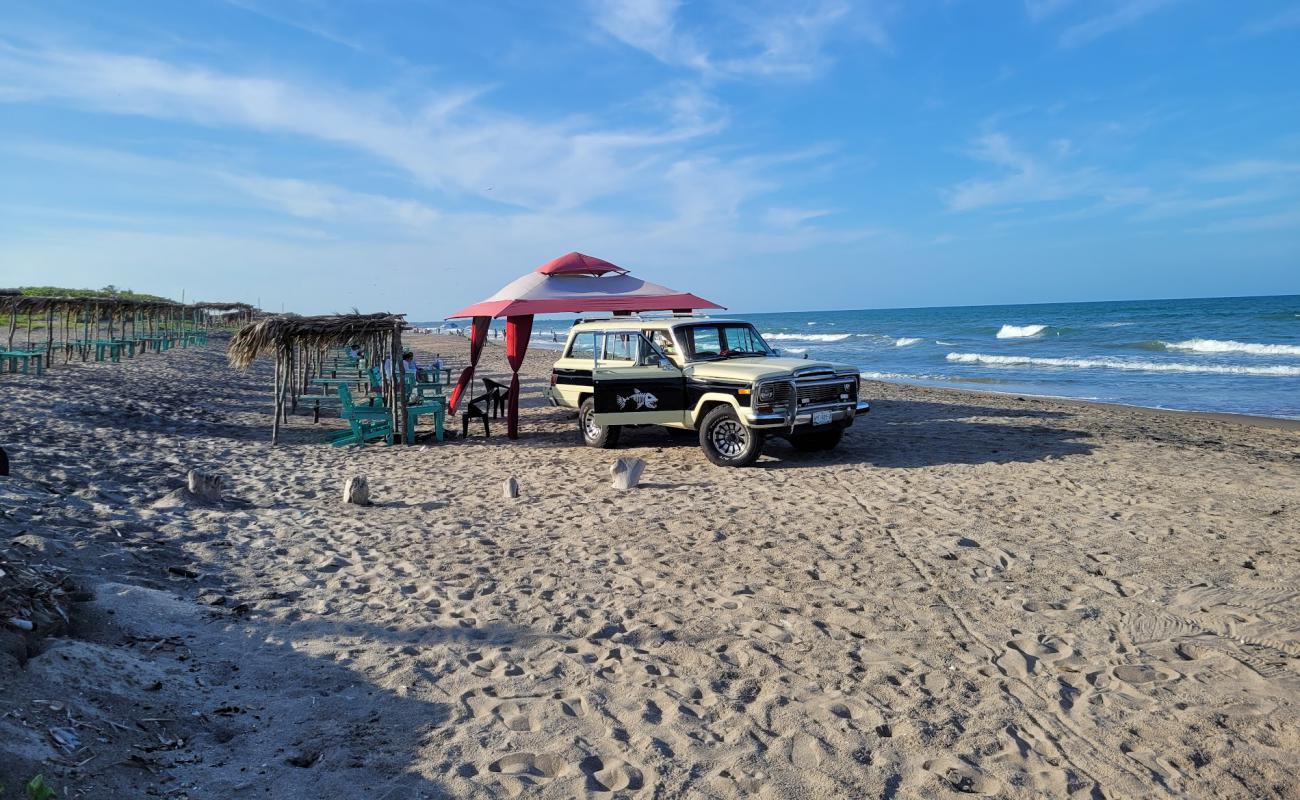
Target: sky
[{"x": 414, "y": 156}]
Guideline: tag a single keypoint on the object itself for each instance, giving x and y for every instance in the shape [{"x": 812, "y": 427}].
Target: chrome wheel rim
[
  {"x": 589, "y": 427},
  {"x": 729, "y": 438}
]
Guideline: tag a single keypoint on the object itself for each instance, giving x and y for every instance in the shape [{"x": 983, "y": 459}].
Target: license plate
[{"x": 821, "y": 418}]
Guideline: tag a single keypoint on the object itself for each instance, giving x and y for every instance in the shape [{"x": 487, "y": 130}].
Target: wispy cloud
[
  {"x": 1027, "y": 179},
  {"x": 446, "y": 141},
  {"x": 1125, "y": 14},
  {"x": 1039, "y": 10},
  {"x": 1262, "y": 26},
  {"x": 1288, "y": 219},
  {"x": 762, "y": 40},
  {"x": 1248, "y": 169}
]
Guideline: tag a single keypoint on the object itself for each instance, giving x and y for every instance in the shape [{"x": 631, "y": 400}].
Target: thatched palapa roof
[
  {"x": 34, "y": 304},
  {"x": 222, "y": 306},
  {"x": 275, "y": 334}
]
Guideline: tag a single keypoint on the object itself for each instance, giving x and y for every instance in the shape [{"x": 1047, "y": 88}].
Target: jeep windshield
[{"x": 714, "y": 341}]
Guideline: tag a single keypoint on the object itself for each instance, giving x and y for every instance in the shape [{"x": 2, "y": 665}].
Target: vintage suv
[{"x": 714, "y": 376}]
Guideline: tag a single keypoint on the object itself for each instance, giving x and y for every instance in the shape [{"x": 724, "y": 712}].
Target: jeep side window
[
  {"x": 621, "y": 347},
  {"x": 704, "y": 341},
  {"x": 743, "y": 339},
  {"x": 583, "y": 346},
  {"x": 664, "y": 341}
]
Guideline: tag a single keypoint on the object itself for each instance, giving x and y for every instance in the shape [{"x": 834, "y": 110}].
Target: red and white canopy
[
  {"x": 576, "y": 283},
  {"x": 572, "y": 283}
]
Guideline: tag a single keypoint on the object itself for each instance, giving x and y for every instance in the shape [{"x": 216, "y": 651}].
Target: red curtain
[
  {"x": 518, "y": 331},
  {"x": 477, "y": 336}
]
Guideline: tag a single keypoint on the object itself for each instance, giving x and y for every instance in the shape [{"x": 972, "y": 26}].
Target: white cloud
[
  {"x": 1029, "y": 178},
  {"x": 326, "y": 203},
  {"x": 782, "y": 217},
  {"x": 1039, "y": 10},
  {"x": 1288, "y": 220},
  {"x": 1261, "y": 26},
  {"x": 758, "y": 39},
  {"x": 1248, "y": 169},
  {"x": 1126, "y": 13},
  {"x": 651, "y": 26},
  {"x": 447, "y": 142}
]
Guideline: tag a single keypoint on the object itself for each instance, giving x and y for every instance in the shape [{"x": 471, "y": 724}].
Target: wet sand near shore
[{"x": 975, "y": 594}]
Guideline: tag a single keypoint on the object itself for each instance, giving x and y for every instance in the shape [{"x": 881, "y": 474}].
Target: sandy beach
[{"x": 975, "y": 594}]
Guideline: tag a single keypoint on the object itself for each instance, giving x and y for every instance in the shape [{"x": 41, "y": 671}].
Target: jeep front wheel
[
  {"x": 594, "y": 435},
  {"x": 727, "y": 441}
]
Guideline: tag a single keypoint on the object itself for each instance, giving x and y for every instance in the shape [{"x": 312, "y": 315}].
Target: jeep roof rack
[{"x": 619, "y": 316}]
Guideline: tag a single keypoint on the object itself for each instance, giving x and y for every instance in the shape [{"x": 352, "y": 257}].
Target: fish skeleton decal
[{"x": 643, "y": 400}]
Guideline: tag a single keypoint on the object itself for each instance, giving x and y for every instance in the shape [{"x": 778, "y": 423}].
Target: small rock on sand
[
  {"x": 626, "y": 473},
  {"x": 204, "y": 485},
  {"x": 356, "y": 490},
  {"x": 510, "y": 489}
]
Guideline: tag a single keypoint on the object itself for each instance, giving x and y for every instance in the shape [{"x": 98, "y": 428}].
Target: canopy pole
[
  {"x": 477, "y": 336},
  {"x": 519, "y": 331}
]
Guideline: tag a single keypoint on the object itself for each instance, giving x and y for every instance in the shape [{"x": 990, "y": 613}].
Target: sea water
[{"x": 1238, "y": 354}]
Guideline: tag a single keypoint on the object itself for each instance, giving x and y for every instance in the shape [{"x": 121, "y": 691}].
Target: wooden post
[
  {"x": 399, "y": 373},
  {"x": 275, "y": 424}
]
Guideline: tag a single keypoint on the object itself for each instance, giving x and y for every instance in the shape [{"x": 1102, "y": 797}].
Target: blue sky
[{"x": 806, "y": 154}]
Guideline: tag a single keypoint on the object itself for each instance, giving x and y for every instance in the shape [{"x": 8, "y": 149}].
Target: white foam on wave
[
  {"x": 795, "y": 350},
  {"x": 1020, "y": 331},
  {"x": 906, "y": 341},
  {"x": 808, "y": 337},
  {"x": 1115, "y": 363},
  {"x": 1229, "y": 346}
]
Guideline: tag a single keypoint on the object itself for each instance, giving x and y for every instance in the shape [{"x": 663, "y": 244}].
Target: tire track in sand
[{"x": 1042, "y": 716}]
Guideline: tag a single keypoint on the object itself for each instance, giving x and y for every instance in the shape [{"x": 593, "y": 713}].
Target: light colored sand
[{"x": 979, "y": 594}]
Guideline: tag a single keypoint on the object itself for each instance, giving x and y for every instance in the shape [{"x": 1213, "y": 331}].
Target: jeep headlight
[{"x": 766, "y": 392}]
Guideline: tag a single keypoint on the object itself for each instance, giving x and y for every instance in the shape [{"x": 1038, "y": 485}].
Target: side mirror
[{"x": 776, "y": 352}]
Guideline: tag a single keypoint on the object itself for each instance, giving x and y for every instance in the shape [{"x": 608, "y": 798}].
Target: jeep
[{"x": 715, "y": 377}]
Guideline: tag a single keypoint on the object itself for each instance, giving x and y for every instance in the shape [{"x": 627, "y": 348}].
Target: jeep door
[{"x": 635, "y": 382}]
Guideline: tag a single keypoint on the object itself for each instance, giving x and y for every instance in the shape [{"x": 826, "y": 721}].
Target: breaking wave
[
  {"x": 808, "y": 337},
  {"x": 1229, "y": 346},
  {"x": 1115, "y": 363},
  {"x": 905, "y": 341},
  {"x": 1020, "y": 331}
]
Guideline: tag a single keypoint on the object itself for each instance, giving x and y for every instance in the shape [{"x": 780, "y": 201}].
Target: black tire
[
  {"x": 817, "y": 442},
  {"x": 594, "y": 435},
  {"x": 728, "y": 442}
]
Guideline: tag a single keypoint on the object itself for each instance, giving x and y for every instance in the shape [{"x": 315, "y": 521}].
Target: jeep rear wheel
[
  {"x": 728, "y": 442},
  {"x": 594, "y": 435},
  {"x": 815, "y": 442}
]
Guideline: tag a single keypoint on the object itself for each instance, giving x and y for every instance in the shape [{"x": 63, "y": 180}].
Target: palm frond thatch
[{"x": 287, "y": 331}]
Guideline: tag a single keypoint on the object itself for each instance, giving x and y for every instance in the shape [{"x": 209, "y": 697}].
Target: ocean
[{"x": 1238, "y": 354}]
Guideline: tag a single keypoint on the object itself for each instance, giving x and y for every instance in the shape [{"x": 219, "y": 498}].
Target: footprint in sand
[
  {"x": 773, "y": 632},
  {"x": 806, "y": 752},
  {"x": 611, "y": 775},
  {"x": 516, "y": 717},
  {"x": 962, "y": 776},
  {"x": 1024, "y": 656},
  {"x": 1143, "y": 674},
  {"x": 542, "y": 766}
]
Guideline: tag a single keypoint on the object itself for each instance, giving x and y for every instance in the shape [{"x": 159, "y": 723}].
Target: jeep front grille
[
  {"x": 781, "y": 394},
  {"x": 822, "y": 393}
]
